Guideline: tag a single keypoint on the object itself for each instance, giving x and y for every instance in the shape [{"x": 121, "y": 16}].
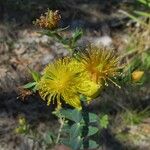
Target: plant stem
[
  {"x": 85, "y": 114},
  {"x": 61, "y": 121},
  {"x": 65, "y": 45}
]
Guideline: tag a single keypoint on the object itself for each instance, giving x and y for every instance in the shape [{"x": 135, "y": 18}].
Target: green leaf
[
  {"x": 141, "y": 13},
  {"x": 66, "y": 128},
  {"x": 93, "y": 117},
  {"x": 67, "y": 113},
  {"x": 51, "y": 33},
  {"x": 104, "y": 121},
  {"x": 77, "y": 35},
  {"x": 93, "y": 144},
  {"x": 48, "y": 33},
  {"x": 75, "y": 130},
  {"x": 62, "y": 29},
  {"x": 92, "y": 130},
  {"x": 29, "y": 85},
  {"x": 49, "y": 138},
  {"x": 34, "y": 89},
  {"x": 54, "y": 34},
  {"x": 146, "y": 60},
  {"x": 145, "y": 2},
  {"x": 76, "y": 143},
  {"x": 73, "y": 115},
  {"x": 35, "y": 75},
  {"x": 134, "y": 18},
  {"x": 76, "y": 115}
]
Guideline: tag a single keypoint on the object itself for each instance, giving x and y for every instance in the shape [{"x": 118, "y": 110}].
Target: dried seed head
[{"x": 49, "y": 20}]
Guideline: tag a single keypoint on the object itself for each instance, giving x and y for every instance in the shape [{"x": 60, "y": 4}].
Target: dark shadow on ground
[
  {"x": 109, "y": 142},
  {"x": 33, "y": 108},
  {"x": 76, "y": 13}
]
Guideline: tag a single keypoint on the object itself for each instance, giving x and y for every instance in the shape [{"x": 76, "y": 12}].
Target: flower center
[
  {"x": 62, "y": 83},
  {"x": 93, "y": 72}
]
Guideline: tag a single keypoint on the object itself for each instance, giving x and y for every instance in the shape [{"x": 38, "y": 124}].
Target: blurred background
[{"x": 112, "y": 23}]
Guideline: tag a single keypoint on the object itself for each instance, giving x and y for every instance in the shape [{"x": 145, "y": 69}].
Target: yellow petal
[
  {"x": 73, "y": 100},
  {"x": 90, "y": 88}
]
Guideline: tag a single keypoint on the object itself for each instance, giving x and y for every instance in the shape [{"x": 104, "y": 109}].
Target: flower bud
[{"x": 137, "y": 75}]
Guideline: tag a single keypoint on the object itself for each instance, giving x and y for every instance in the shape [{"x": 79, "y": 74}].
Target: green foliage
[
  {"x": 93, "y": 144},
  {"x": 35, "y": 75},
  {"x": 78, "y": 33},
  {"x": 74, "y": 128},
  {"x": 70, "y": 43},
  {"x": 29, "y": 85},
  {"x": 49, "y": 138},
  {"x": 141, "y": 13},
  {"x": 93, "y": 118},
  {"x": 133, "y": 117},
  {"x": 146, "y": 3},
  {"x": 138, "y": 47},
  {"x": 146, "y": 60},
  {"x": 138, "y": 62},
  {"x": 103, "y": 121},
  {"x": 92, "y": 130},
  {"x": 33, "y": 85},
  {"x": 73, "y": 115},
  {"x": 75, "y": 143}
]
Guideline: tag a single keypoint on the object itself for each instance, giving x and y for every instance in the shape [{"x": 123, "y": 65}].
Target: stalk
[{"x": 85, "y": 114}]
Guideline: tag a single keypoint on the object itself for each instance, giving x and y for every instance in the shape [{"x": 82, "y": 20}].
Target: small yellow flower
[
  {"x": 137, "y": 75},
  {"x": 63, "y": 80},
  {"x": 50, "y": 20},
  {"x": 100, "y": 64}
]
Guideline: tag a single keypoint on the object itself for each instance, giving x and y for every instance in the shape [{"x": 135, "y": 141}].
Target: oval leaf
[
  {"x": 73, "y": 115},
  {"x": 29, "y": 85},
  {"x": 75, "y": 130},
  {"x": 93, "y": 144},
  {"x": 92, "y": 130}
]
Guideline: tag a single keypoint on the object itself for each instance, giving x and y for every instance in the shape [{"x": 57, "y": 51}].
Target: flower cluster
[
  {"x": 66, "y": 79},
  {"x": 49, "y": 21}
]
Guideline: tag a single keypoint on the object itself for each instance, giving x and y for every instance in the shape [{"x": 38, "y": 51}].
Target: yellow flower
[
  {"x": 137, "y": 75},
  {"x": 100, "y": 64},
  {"x": 50, "y": 20},
  {"x": 63, "y": 80},
  {"x": 87, "y": 86}
]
